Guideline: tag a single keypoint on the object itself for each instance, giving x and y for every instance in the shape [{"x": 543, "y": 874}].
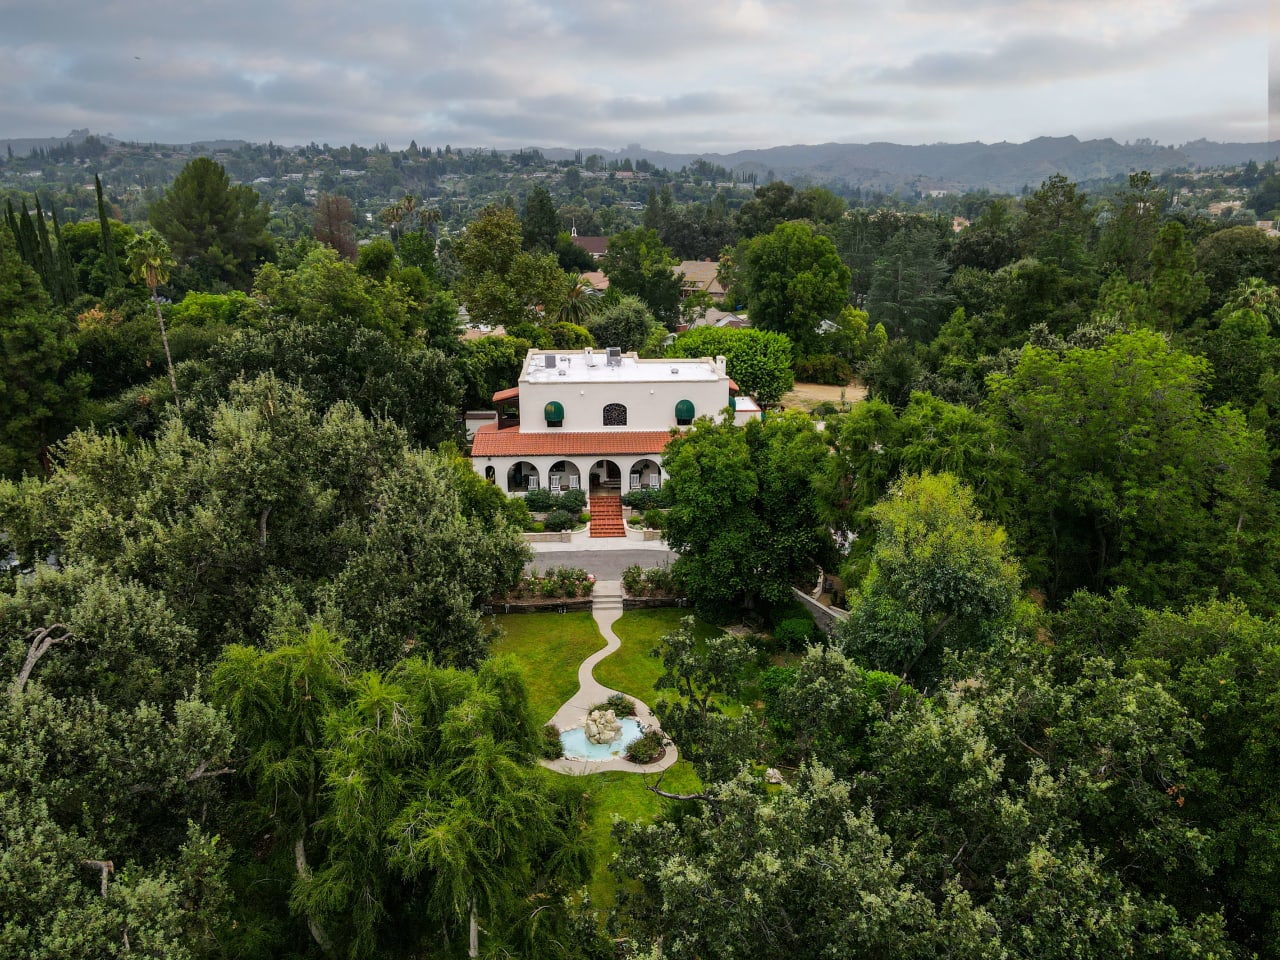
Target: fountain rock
[
  {"x": 773, "y": 775},
  {"x": 602, "y": 726}
]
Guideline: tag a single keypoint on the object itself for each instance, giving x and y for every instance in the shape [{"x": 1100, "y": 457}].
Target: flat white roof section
[{"x": 576, "y": 366}]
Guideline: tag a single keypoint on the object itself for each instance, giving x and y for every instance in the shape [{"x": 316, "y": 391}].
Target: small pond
[{"x": 578, "y": 747}]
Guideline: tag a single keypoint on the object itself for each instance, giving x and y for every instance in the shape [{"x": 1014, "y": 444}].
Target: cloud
[{"x": 718, "y": 74}]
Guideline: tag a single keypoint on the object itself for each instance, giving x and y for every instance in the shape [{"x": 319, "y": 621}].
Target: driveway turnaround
[{"x": 606, "y": 608}]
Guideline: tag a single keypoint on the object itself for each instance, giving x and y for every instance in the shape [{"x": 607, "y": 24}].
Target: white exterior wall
[
  {"x": 626, "y": 463},
  {"x": 650, "y": 399}
]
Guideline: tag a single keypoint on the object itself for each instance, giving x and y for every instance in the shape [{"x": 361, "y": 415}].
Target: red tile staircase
[{"x": 606, "y": 517}]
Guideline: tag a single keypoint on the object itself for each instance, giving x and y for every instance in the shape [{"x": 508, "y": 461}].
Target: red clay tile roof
[
  {"x": 492, "y": 442},
  {"x": 508, "y": 394}
]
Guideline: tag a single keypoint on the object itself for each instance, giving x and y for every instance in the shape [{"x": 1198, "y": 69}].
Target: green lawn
[
  {"x": 625, "y": 794},
  {"x": 549, "y": 647},
  {"x": 631, "y": 669}
]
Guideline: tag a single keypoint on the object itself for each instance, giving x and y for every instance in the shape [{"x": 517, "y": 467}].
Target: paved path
[
  {"x": 605, "y": 564},
  {"x": 606, "y": 607}
]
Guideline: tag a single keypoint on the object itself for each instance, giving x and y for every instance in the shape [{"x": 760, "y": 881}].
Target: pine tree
[
  {"x": 63, "y": 268},
  {"x": 44, "y": 255}
]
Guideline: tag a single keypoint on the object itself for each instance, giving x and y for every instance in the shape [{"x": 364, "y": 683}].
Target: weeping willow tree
[{"x": 405, "y": 808}]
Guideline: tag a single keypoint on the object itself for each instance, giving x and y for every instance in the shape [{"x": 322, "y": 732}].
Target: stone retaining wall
[
  {"x": 649, "y": 603},
  {"x": 825, "y": 617},
  {"x": 561, "y": 536},
  {"x": 551, "y": 605}
]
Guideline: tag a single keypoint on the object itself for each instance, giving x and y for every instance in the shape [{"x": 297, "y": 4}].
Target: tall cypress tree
[
  {"x": 108, "y": 253},
  {"x": 11, "y": 219},
  {"x": 63, "y": 267},
  {"x": 28, "y": 245},
  {"x": 44, "y": 255}
]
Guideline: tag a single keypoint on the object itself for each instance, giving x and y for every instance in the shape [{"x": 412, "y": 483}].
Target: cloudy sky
[{"x": 696, "y": 75}]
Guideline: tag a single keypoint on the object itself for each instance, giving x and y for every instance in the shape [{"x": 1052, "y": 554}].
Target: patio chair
[
  {"x": 655, "y": 481},
  {"x": 555, "y": 483},
  {"x": 635, "y": 481},
  {"x": 531, "y": 483},
  {"x": 574, "y": 483}
]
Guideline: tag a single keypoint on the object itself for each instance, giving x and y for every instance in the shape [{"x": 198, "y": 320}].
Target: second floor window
[{"x": 615, "y": 415}]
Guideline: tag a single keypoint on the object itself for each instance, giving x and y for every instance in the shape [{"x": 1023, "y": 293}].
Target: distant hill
[
  {"x": 1000, "y": 167},
  {"x": 23, "y": 146}
]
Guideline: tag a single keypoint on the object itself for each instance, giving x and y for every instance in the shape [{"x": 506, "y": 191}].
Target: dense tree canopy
[{"x": 217, "y": 231}]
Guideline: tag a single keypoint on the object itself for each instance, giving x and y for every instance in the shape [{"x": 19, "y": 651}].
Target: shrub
[
  {"x": 551, "y": 747},
  {"x": 795, "y": 634},
  {"x": 559, "y": 520},
  {"x": 655, "y": 519},
  {"x": 620, "y": 704},
  {"x": 647, "y": 748},
  {"x": 633, "y": 580},
  {"x": 659, "y": 580},
  {"x": 636, "y": 521},
  {"x": 540, "y": 500},
  {"x": 572, "y": 500},
  {"x": 537, "y": 526},
  {"x": 584, "y": 517},
  {"x": 788, "y": 609},
  {"x": 824, "y": 368},
  {"x": 646, "y": 499}
]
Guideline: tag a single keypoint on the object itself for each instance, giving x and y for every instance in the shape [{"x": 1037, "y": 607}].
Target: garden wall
[
  {"x": 559, "y": 537},
  {"x": 648, "y": 603},
  {"x": 825, "y": 617},
  {"x": 551, "y": 605}
]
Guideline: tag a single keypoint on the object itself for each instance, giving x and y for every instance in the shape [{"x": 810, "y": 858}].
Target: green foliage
[
  {"x": 559, "y": 520},
  {"x": 551, "y": 746},
  {"x": 939, "y": 576},
  {"x": 625, "y": 323},
  {"x": 217, "y": 231},
  {"x": 647, "y": 499},
  {"x": 795, "y": 633},
  {"x": 1168, "y": 499},
  {"x": 744, "y": 515},
  {"x": 647, "y": 748},
  {"x": 619, "y": 703},
  {"x": 376, "y": 259},
  {"x": 759, "y": 362},
  {"x": 543, "y": 500},
  {"x": 823, "y": 368},
  {"x": 638, "y": 264},
  {"x": 698, "y": 673},
  {"x": 794, "y": 280},
  {"x": 41, "y": 392},
  {"x": 405, "y": 790}
]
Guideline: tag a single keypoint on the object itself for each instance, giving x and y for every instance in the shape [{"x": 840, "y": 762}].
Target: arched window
[
  {"x": 554, "y": 412},
  {"x": 615, "y": 415},
  {"x": 684, "y": 413}
]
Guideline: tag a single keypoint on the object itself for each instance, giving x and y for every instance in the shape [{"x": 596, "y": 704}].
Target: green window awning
[
  {"x": 554, "y": 412},
  {"x": 733, "y": 403},
  {"x": 684, "y": 411}
]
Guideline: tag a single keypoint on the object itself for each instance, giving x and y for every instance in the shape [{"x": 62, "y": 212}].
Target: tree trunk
[
  {"x": 168, "y": 357},
  {"x": 473, "y": 942}
]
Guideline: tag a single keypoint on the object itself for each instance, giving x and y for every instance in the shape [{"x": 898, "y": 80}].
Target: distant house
[
  {"x": 700, "y": 275},
  {"x": 596, "y": 246},
  {"x": 597, "y": 278}
]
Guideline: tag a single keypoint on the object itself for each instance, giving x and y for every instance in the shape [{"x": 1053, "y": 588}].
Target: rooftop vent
[
  {"x": 675, "y": 369},
  {"x": 613, "y": 356},
  {"x": 563, "y": 372},
  {"x": 549, "y": 361}
]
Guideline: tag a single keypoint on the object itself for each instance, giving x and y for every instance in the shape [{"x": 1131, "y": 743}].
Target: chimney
[{"x": 720, "y": 365}]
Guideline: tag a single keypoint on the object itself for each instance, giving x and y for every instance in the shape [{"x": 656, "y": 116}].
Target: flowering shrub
[{"x": 555, "y": 583}]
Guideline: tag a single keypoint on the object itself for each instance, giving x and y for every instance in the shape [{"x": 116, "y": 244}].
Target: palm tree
[
  {"x": 392, "y": 216},
  {"x": 430, "y": 217},
  {"x": 581, "y": 298},
  {"x": 150, "y": 262},
  {"x": 407, "y": 206}
]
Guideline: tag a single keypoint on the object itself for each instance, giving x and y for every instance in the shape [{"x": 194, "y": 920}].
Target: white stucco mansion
[{"x": 597, "y": 420}]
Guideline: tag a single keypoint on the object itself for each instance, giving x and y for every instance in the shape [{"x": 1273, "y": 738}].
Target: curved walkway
[{"x": 606, "y": 608}]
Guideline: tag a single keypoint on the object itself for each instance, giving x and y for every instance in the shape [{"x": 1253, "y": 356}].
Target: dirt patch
[{"x": 809, "y": 395}]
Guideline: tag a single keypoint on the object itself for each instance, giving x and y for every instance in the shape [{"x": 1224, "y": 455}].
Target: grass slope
[{"x": 549, "y": 647}]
